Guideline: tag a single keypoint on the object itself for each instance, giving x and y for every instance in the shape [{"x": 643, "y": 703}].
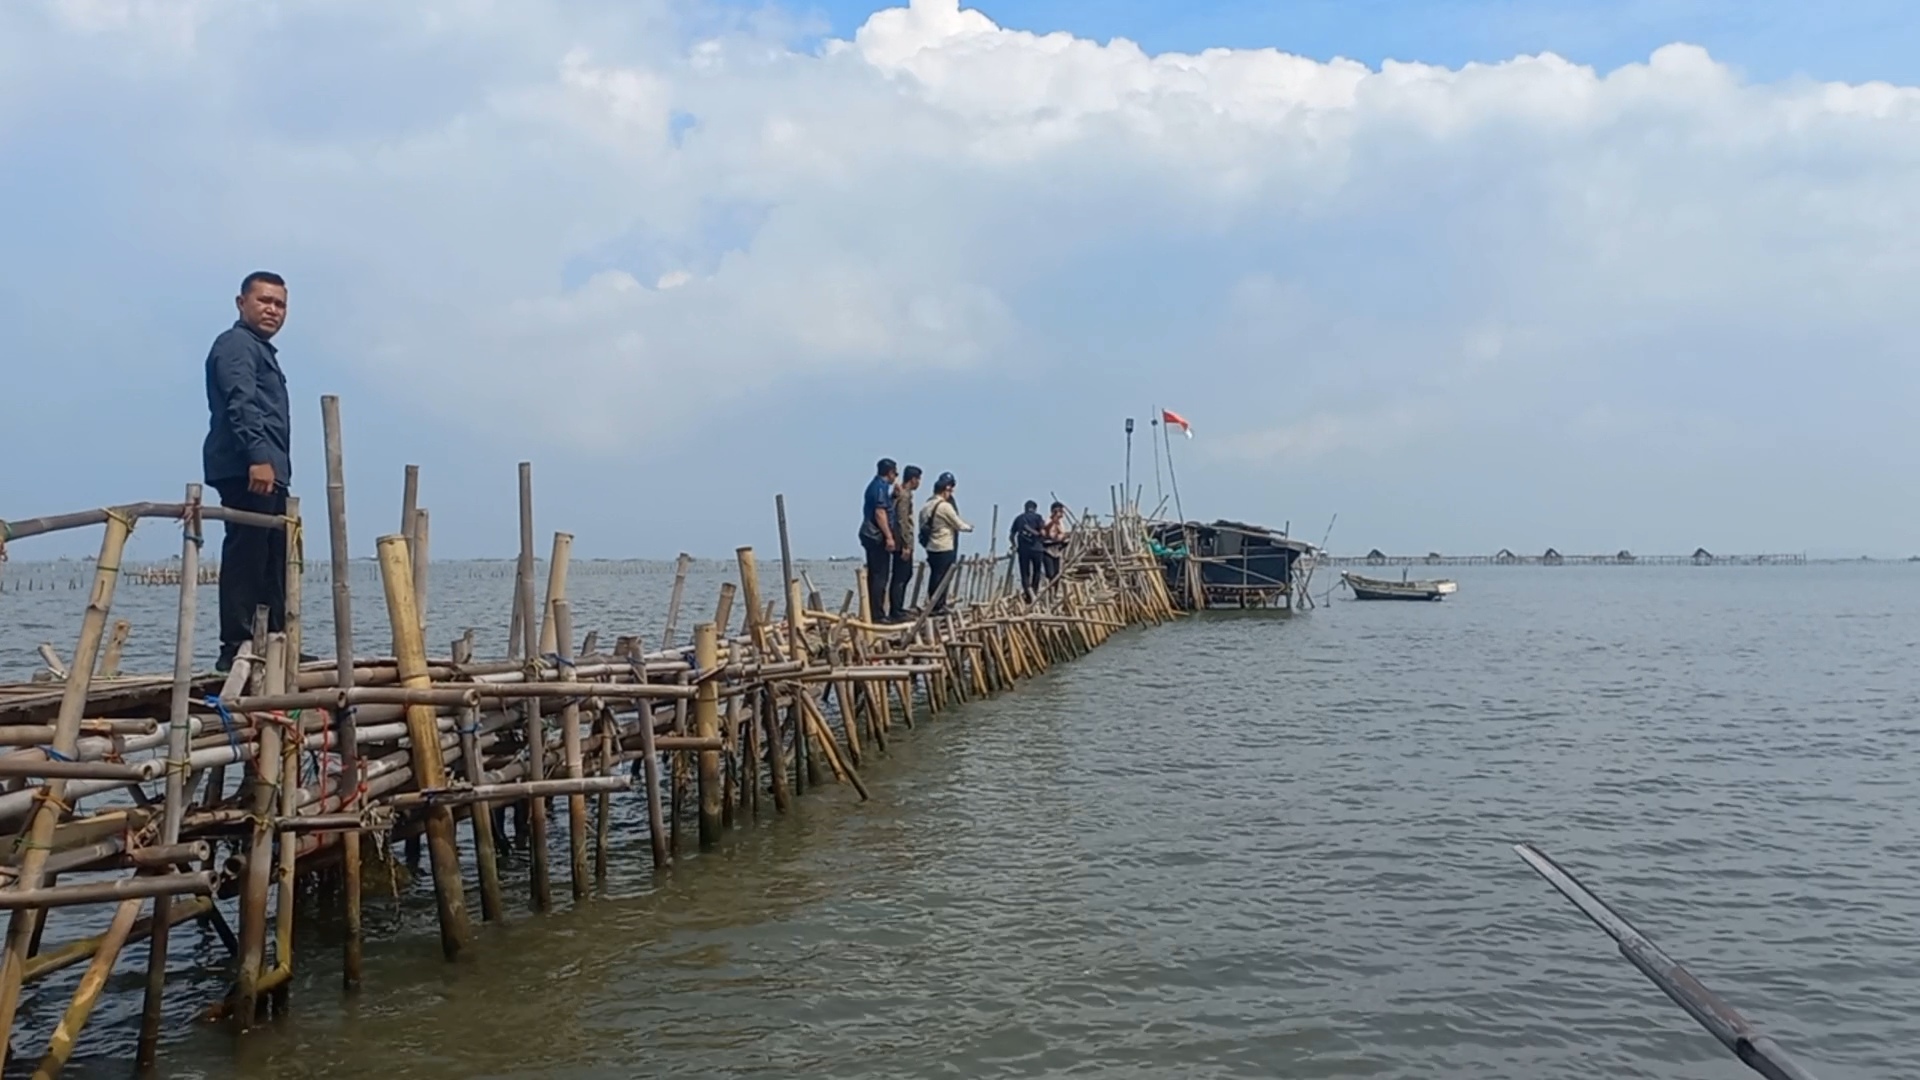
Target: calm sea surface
[{"x": 1240, "y": 846}]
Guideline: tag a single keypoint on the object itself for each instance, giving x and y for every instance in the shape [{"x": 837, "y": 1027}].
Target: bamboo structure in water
[{"x": 275, "y": 783}]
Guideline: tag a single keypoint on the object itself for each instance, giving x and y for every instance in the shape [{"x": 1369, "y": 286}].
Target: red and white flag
[{"x": 1175, "y": 418}]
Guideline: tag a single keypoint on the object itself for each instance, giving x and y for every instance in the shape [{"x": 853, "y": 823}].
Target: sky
[{"x": 1469, "y": 274}]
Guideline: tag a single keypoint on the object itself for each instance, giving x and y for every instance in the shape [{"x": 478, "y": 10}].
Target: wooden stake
[
  {"x": 179, "y": 735},
  {"x": 706, "y": 725},
  {"x": 429, "y": 770},
  {"x": 345, "y": 727},
  {"x": 570, "y": 736},
  {"x": 538, "y": 876}
]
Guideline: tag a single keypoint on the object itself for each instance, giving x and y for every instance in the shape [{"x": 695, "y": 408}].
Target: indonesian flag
[{"x": 1176, "y": 419}]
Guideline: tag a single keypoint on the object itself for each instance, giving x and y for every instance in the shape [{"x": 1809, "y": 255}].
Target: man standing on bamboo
[
  {"x": 902, "y": 519},
  {"x": 248, "y": 459},
  {"x": 877, "y": 537}
]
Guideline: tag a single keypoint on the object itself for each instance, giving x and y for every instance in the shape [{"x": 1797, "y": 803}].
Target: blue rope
[
  {"x": 55, "y": 755},
  {"x": 226, "y": 721}
]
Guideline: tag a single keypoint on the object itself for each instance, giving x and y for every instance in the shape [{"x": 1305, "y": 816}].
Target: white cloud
[{"x": 1448, "y": 242}]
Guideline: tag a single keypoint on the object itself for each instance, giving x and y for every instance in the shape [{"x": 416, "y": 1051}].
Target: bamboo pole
[
  {"x": 260, "y": 804},
  {"x": 706, "y": 725},
  {"x": 538, "y": 876},
  {"x": 344, "y": 723},
  {"x": 493, "y": 905},
  {"x": 24, "y": 924},
  {"x": 680, "y": 567},
  {"x": 178, "y": 734},
  {"x": 570, "y": 735},
  {"x": 429, "y": 769}
]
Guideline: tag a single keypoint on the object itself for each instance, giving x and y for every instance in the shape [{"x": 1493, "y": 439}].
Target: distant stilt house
[
  {"x": 1376, "y": 557},
  {"x": 1506, "y": 558},
  {"x": 1702, "y": 557},
  {"x": 1625, "y": 556},
  {"x": 1435, "y": 557},
  {"x": 1551, "y": 558}
]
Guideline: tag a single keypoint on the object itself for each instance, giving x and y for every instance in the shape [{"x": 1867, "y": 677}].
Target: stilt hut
[{"x": 1230, "y": 564}]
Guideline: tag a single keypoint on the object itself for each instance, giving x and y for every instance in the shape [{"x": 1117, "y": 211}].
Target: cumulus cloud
[{"x": 670, "y": 205}]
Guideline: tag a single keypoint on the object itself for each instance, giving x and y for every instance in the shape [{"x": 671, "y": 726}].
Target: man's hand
[
  {"x": 892, "y": 544},
  {"x": 260, "y": 478}
]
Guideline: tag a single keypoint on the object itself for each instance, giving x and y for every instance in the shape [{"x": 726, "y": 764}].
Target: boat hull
[{"x": 1366, "y": 588}]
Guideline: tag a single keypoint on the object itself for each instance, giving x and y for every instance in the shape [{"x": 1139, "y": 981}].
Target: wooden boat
[{"x": 1366, "y": 588}]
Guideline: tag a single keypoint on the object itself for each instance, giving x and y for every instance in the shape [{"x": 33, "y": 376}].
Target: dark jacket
[
  {"x": 249, "y": 419},
  {"x": 1026, "y": 531}
]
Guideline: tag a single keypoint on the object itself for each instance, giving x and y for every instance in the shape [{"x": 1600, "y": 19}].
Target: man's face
[
  {"x": 913, "y": 484},
  {"x": 890, "y": 477},
  {"x": 264, "y": 307}
]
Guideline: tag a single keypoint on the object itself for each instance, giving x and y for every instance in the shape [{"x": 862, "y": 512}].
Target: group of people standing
[{"x": 891, "y": 527}]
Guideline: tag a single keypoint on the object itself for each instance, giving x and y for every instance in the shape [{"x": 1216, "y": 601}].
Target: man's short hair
[
  {"x": 886, "y": 466},
  {"x": 911, "y": 473},
  {"x": 260, "y": 277},
  {"x": 1058, "y": 506},
  {"x": 1032, "y": 506}
]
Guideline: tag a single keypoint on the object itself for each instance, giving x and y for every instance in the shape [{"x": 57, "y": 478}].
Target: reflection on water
[{"x": 1251, "y": 847}]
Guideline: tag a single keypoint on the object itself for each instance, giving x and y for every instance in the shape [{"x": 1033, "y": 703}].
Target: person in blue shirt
[
  {"x": 877, "y": 536},
  {"x": 247, "y": 458}
]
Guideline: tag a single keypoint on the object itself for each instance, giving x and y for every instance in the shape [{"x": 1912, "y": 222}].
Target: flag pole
[
  {"x": 1128, "y": 490},
  {"x": 1172, "y": 477},
  {"x": 1159, "y": 492}
]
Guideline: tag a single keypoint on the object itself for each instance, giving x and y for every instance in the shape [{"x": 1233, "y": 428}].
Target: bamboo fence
[{"x": 280, "y": 783}]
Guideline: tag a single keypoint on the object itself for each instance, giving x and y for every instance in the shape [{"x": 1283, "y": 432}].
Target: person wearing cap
[
  {"x": 943, "y": 526},
  {"x": 877, "y": 536},
  {"x": 902, "y": 568},
  {"x": 1025, "y": 538}
]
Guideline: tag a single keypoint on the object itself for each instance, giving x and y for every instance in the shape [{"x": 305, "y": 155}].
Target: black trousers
[
  {"x": 253, "y": 567},
  {"x": 901, "y": 581},
  {"x": 879, "y": 575},
  {"x": 939, "y": 563},
  {"x": 1033, "y": 564},
  {"x": 1053, "y": 565}
]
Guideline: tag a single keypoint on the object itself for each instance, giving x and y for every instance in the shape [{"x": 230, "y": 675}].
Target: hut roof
[{"x": 1702, "y": 553}]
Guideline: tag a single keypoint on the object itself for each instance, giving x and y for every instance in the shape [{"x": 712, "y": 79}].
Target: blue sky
[
  {"x": 684, "y": 256},
  {"x": 1852, "y": 40}
]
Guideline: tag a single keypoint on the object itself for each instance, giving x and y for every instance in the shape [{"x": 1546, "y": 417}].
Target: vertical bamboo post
[
  {"x": 789, "y": 584},
  {"x": 776, "y": 751},
  {"x": 706, "y": 725},
  {"x": 723, "y": 611},
  {"x": 429, "y": 769},
  {"x": 650, "y": 769},
  {"x": 417, "y": 544},
  {"x": 608, "y": 728},
  {"x": 541, "y": 885},
  {"x": 571, "y": 742},
  {"x": 116, "y": 643},
  {"x": 289, "y": 766},
  {"x": 493, "y": 904},
  {"x": 265, "y": 777},
  {"x": 557, "y": 567},
  {"x": 409, "y": 500},
  {"x": 179, "y": 729},
  {"x": 22, "y": 925},
  {"x": 680, "y": 567},
  {"x": 343, "y": 672}
]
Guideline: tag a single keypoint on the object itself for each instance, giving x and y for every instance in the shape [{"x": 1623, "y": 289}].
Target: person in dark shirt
[
  {"x": 1025, "y": 539},
  {"x": 902, "y": 569},
  {"x": 247, "y": 458},
  {"x": 877, "y": 536}
]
